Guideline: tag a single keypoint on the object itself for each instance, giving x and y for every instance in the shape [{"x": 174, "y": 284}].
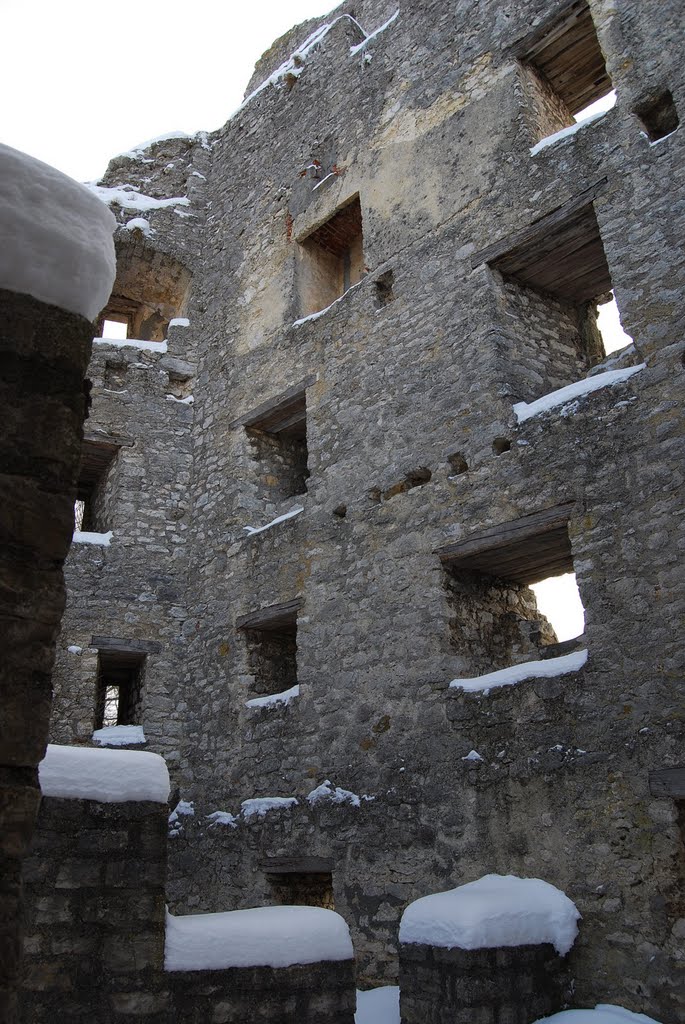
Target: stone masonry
[{"x": 386, "y": 183}]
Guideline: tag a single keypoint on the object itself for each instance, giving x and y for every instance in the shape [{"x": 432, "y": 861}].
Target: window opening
[
  {"x": 558, "y": 598},
  {"x": 611, "y": 328},
  {"x": 599, "y": 106},
  {"x": 271, "y": 636},
  {"x": 115, "y": 329},
  {"x": 659, "y": 116},
  {"x": 331, "y": 258},
  {"x": 119, "y": 688},
  {"x": 302, "y": 889},
  {"x": 90, "y": 510},
  {"x": 278, "y": 438}
]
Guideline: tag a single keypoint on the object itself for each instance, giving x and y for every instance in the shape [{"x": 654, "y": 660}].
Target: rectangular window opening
[
  {"x": 302, "y": 889},
  {"x": 90, "y": 510},
  {"x": 119, "y": 688},
  {"x": 492, "y": 581},
  {"x": 331, "y": 259},
  {"x": 271, "y": 636},
  {"x": 564, "y": 70},
  {"x": 278, "y": 437},
  {"x": 658, "y": 116},
  {"x": 115, "y": 327}
]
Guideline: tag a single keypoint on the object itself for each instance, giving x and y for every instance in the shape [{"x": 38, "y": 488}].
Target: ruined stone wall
[{"x": 431, "y": 124}]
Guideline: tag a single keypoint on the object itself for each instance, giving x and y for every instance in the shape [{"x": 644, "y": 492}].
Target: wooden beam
[
  {"x": 272, "y": 409},
  {"x": 125, "y": 646},
  {"x": 273, "y": 618},
  {"x": 296, "y": 866},
  {"x": 506, "y": 534},
  {"x": 668, "y": 782}
]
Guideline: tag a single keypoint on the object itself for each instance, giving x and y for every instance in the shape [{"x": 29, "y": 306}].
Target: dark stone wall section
[
  {"x": 44, "y": 352},
  {"x": 508, "y": 985}
]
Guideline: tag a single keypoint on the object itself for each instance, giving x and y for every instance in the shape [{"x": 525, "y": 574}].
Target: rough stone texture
[
  {"x": 44, "y": 353},
  {"x": 508, "y": 985},
  {"x": 411, "y": 373}
]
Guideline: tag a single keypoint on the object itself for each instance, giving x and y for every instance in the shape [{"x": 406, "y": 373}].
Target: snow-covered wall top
[
  {"x": 61, "y": 249},
  {"x": 495, "y": 910},
  {"x": 109, "y": 776},
  {"x": 263, "y": 937}
]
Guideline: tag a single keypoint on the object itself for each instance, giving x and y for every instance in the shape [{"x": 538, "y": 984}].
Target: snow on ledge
[
  {"x": 107, "y": 776},
  {"x": 545, "y": 669},
  {"x": 87, "y": 537},
  {"x": 179, "y": 321},
  {"x": 496, "y": 910},
  {"x": 328, "y": 794},
  {"x": 525, "y": 410},
  {"x": 119, "y": 735},
  {"x": 222, "y": 818},
  {"x": 263, "y": 937},
  {"x": 603, "y": 1013},
  {"x": 128, "y": 198},
  {"x": 61, "y": 250},
  {"x": 326, "y": 309},
  {"x": 364, "y": 42},
  {"x": 146, "y": 346},
  {"x": 272, "y": 699},
  {"x": 251, "y": 530},
  {"x": 259, "y": 806},
  {"x": 565, "y": 133}
]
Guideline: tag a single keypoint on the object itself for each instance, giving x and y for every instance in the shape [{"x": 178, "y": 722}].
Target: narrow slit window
[{"x": 90, "y": 510}]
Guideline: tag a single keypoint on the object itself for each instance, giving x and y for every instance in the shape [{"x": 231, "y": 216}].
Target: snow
[
  {"x": 87, "y": 537},
  {"x": 61, "y": 249},
  {"x": 108, "y": 776},
  {"x": 258, "y": 807},
  {"x": 141, "y": 224},
  {"x": 144, "y": 346},
  {"x": 222, "y": 818},
  {"x": 565, "y": 133},
  {"x": 74, "y": 649},
  {"x": 524, "y": 410},
  {"x": 603, "y": 1013},
  {"x": 496, "y": 910},
  {"x": 360, "y": 46},
  {"x": 119, "y": 735},
  {"x": 128, "y": 198},
  {"x": 189, "y": 400},
  {"x": 326, "y": 792},
  {"x": 179, "y": 321},
  {"x": 378, "y": 1006},
  {"x": 263, "y": 937},
  {"x": 272, "y": 699},
  {"x": 472, "y": 755},
  {"x": 295, "y": 511},
  {"x": 545, "y": 669},
  {"x": 322, "y": 312}
]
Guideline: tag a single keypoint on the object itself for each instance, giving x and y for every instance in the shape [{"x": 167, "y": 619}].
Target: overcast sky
[{"x": 82, "y": 81}]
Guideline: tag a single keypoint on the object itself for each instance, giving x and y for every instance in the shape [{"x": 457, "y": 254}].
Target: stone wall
[{"x": 431, "y": 124}]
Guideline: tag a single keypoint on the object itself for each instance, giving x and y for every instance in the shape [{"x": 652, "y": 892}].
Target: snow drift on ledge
[
  {"x": 496, "y": 910},
  {"x": 107, "y": 776},
  {"x": 61, "y": 249},
  {"x": 603, "y": 1013},
  {"x": 525, "y": 410},
  {"x": 263, "y": 937},
  {"x": 545, "y": 669},
  {"x": 119, "y": 735}
]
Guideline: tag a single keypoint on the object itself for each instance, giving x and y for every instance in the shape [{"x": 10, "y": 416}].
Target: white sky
[{"x": 81, "y": 81}]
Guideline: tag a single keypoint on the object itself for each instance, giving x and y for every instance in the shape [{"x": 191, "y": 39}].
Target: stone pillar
[
  {"x": 505, "y": 985},
  {"x": 44, "y": 353}
]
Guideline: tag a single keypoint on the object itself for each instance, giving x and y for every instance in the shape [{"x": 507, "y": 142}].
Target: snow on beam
[
  {"x": 106, "y": 776},
  {"x": 545, "y": 669},
  {"x": 263, "y": 937},
  {"x": 496, "y": 910}
]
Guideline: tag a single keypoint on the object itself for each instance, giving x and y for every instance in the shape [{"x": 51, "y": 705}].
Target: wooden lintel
[
  {"x": 507, "y": 534},
  {"x": 116, "y": 440},
  {"x": 270, "y": 409},
  {"x": 125, "y": 646},
  {"x": 296, "y": 866},
  {"x": 668, "y": 782},
  {"x": 272, "y": 618},
  {"x": 539, "y": 228},
  {"x": 551, "y": 26}
]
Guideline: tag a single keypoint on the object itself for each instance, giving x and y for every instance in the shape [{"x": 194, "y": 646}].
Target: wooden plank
[
  {"x": 296, "y": 866},
  {"x": 551, "y": 27},
  {"x": 125, "y": 646},
  {"x": 540, "y": 227},
  {"x": 100, "y": 437},
  {"x": 505, "y": 534},
  {"x": 272, "y": 618},
  {"x": 274, "y": 406},
  {"x": 668, "y": 782}
]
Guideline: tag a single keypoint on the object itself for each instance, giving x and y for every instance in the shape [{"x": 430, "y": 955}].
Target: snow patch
[
  {"x": 545, "y": 669},
  {"x": 108, "y": 776},
  {"x": 379, "y": 1006},
  {"x": 603, "y": 1013},
  {"x": 263, "y": 937},
  {"x": 251, "y": 530},
  {"x": 327, "y": 793},
  {"x": 181, "y": 401},
  {"x": 496, "y": 910},
  {"x": 128, "y": 198},
  {"x": 472, "y": 755},
  {"x": 61, "y": 249},
  {"x": 144, "y": 346},
  {"x": 524, "y": 410},
  {"x": 140, "y": 224},
  {"x": 119, "y": 735},
  {"x": 565, "y": 133},
  {"x": 87, "y": 537},
  {"x": 272, "y": 699},
  {"x": 179, "y": 321},
  {"x": 258, "y": 807},
  {"x": 74, "y": 649},
  {"x": 360, "y": 46},
  {"x": 322, "y": 312},
  {"x": 222, "y": 818}
]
